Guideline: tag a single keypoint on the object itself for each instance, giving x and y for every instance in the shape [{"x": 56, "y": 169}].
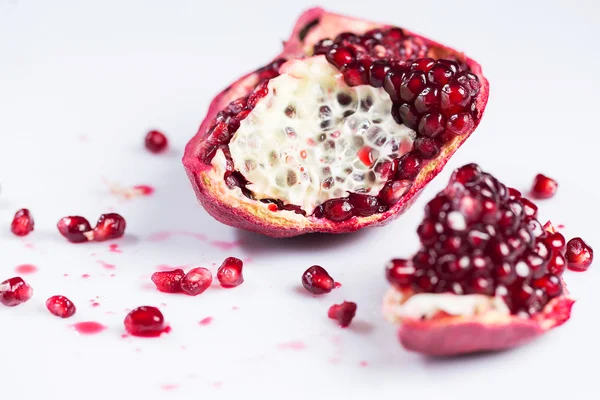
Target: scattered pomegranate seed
[
  {"x": 22, "y": 223},
  {"x": 543, "y": 187},
  {"x": 75, "y": 229},
  {"x": 168, "y": 281},
  {"x": 579, "y": 255},
  {"x": 229, "y": 273},
  {"x": 156, "y": 141},
  {"x": 14, "y": 291},
  {"x": 145, "y": 321},
  {"x": 342, "y": 313},
  {"x": 60, "y": 306},
  {"x": 196, "y": 281},
  {"x": 317, "y": 281},
  {"x": 109, "y": 226}
]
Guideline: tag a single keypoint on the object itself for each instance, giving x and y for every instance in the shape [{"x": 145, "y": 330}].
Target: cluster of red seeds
[
  {"x": 77, "y": 229},
  {"x": 197, "y": 280},
  {"x": 480, "y": 237},
  {"x": 435, "y": 98}
]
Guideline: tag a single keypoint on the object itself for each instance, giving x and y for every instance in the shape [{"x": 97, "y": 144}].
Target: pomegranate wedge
[
  {"x": 487, "y": 277},
  {"x": 340, "y": 131}
]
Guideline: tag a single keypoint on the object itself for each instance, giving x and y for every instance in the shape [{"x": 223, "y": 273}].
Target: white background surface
[{"x": 81, "y": 84}]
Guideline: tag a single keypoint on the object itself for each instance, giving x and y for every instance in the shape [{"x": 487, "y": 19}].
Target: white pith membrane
[
  {"x": 398, "y": 305},
  {"x": 302, "y": 144}
]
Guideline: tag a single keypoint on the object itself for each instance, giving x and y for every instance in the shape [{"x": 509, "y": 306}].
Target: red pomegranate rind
[
  {"x": 254, "y": 216},
  {"x": 453, "y": 335}
]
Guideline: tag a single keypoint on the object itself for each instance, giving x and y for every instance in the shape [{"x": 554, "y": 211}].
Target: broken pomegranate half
[
  {"x": 340, "y": 131},
  {"x": 487, "y": 277}
]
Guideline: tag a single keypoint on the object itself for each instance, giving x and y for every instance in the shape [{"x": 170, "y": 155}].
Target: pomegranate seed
[
  {"x": 556, "y": 241},
  {"x": 543, "y": 187},
  {"x": 155, "y": 141},
  {"x": 14, "y": 291},
  {"x": 340, "y": 57},
  {"x": 75, "y": 229},
  {"x": 363, "y": 205},
  {"x": 60, "y": 306},
  {"x": 145, "y": 321},
  {"x": 342, "y": 313},
  {"x": 393, "y": 191},
  {"x": 579, "y": 255},
  {"x": 196, "y": 281},
  {"x": 229, "y": 273},
  {"x": 22, "y": 223},
  {"x": 317, "y": 281},
  {"x": 337, "y": 210},
  {"x": 168, "y": 281},
  {"x": 109, "y": 226},
  {"x": 409, "y": 166},
  {"x": 400, "y": 272},
  {"x": 550, "y": 284}
]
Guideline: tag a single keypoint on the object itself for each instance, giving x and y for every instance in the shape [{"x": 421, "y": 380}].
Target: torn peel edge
[{"x": 450, "y": 335}]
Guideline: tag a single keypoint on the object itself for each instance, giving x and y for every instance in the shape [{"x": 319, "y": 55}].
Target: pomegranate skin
[
  {"x": 455, "y": 335},
  {"x": 251, "y": 215}
]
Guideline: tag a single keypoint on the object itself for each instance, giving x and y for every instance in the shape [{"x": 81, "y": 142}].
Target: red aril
[
  {"x": 15, "y": 291},
  {"x": 229, "y": 273},
  {"x": 60, "y": 306},
  {"x": 317, "y": 281},
  {"x": 196, "y": 281},
  {"x": 168, "y": 281},
  {"x": 109, "y": 226},
  {"x": 145, "y": 321},
  {"x": 75, "y": 229},
  {"x": 22, "y": 223},
  {"x": 579, "y": 255},
  {"x": 342, "y": 313},
  {"x": 543, "y": 187},
  {"x": 155, "y": 141}
]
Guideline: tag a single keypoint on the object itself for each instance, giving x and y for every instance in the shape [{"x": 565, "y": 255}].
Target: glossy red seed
[
  {"x": 454, "y": 99},
  {"x": 409, "y": 166},
  {"x": 460, "y": 124},
  {"x": 363, "y": 205},
  {"x": 155, "y": 141},
  {"x": 229, "y": 273},
  {"x": 579, "y": 255},
  {"x": 340, "y": 57},
  {"x": 196, "y": 281},
  {"x": 426, "y": 147},
  {"x": 557, "y": 264},
  {"x": 400, "y": 272},
  {"x": 145, "y": 321},
  {"x": 377, "y": 73},
  {"x": 15, "y": 291},
  {"x": 317, "y": 281},
  {"x": 412, "y": 85},
  {"x": 60, "y": 306},
  {"x": 75, "y": 229},
  {"x": 355, "y": 74},
  {"x": 22, "y": 223},
  {"x": 393, "y": 191},
  {"x": 337, "y": 210},
  {"x": 342, "y": 313},
  {"x": 432, "y": 125},
  {"x": 543, "y": 187},
  {"x": 168, "y": 281},
  {"x": 556, "y": 241},
  {"x": 550, "y": 284},
  {"x": 109, "y": 226}
]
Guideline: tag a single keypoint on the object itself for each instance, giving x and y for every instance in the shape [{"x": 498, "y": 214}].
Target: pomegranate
[
  {"x": 317, "y": 281},
  {"x": 155, "y": 141},
  {"x": 579, "y": 255},
  {"x": 342, "y": 313},
  {"x": 229, "y": 273},
  {"x": 168, "y": 281},
  {"x": 196, "y": 281},
  {"x": 543, "y": 187},
  {"x": 145, "y": 321},
  {"x": 15, "y": 291},
  {"x": 342, "y": 130},
  {"x": 75, "y": 229},
  {"x": 109, "y": 226},
  {"x": 22, "y": 223},
  {"x": 60, "y": 306},
  {"x": 487, "y": 277}
]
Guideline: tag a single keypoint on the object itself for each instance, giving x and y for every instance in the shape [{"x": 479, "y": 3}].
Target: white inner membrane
[
  {"x": 314, "y": 138},
  {"x": 427, "y": 305}
]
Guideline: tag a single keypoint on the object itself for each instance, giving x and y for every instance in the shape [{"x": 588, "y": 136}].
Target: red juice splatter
[
  {"x": 106, "y": 265},
  {"x": 143, "y": 190},
  {"x": 26, "y": 269},
  {"x": 85, "y": 276},
  {"x": 88, "y": 328},
  {"x": 225, "y": 246},
  {"x": 364, "y": 364},
  {"x": 94, "y": 304},
  {"x": 169, "y": 386},
  {"x": 206, "y": 321},
  {"x": 293, "y": 345},
  {"x": 114, "y": 248},
  {"x": 560, "y": 226},
  {"x": 29, "y": 246}
]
